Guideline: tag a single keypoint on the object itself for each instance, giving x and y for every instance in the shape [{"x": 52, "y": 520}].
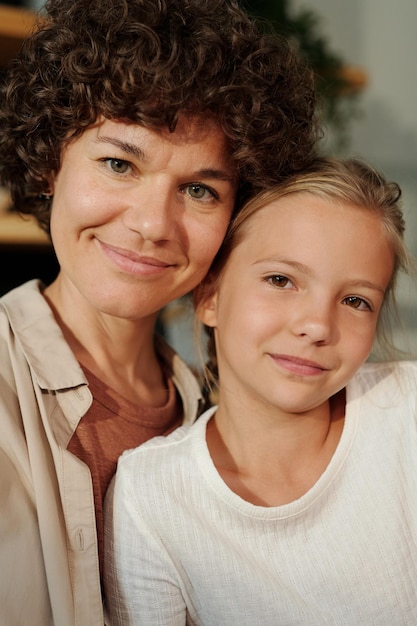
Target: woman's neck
[{"x": 121, "y": 353}]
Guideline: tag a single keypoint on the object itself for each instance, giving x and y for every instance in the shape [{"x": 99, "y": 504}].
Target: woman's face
[{"x": 139, "y": 214}]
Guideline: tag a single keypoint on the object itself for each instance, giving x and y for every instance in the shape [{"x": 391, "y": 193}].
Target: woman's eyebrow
[
  {"x": 136, "y": 151},
  {"x": 125, "y": 146}
]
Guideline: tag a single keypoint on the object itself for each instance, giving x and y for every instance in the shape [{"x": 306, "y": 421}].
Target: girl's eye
[
  {"x": 357, "y": 303},
  {"x": 200, "y": 192},
  {"x": 279, "y": 281},
  {"x": 119, "y": 166}
]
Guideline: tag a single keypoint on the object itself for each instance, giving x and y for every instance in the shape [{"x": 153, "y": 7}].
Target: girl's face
[
  {"x": 297, "y": 305},
  {"x": 138, "y": 215}
]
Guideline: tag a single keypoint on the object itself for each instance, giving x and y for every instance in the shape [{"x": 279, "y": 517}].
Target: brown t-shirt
[{"x": 113, "y": 425}]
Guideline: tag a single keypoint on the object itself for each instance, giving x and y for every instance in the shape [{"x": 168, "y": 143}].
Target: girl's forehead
[
  {"x": 299, "y": 207},
  {"x": 311, "y": 228}
]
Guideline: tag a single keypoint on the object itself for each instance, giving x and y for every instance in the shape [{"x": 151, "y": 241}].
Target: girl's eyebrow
[
  {"x": 300, "y": 267},
  {"x": 367, "y": 284},
  {"x": 135, "y": 151}
]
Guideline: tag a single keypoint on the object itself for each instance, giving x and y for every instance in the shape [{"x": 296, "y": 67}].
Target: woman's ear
[
  {"x": 205, "y": 302},
  {"x": 51, "y": 185}
]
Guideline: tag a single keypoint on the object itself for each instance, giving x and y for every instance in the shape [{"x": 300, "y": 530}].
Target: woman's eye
[
  {"x": 119, "y": 166},
  {"x": 357, "y": 303},
  {"x": 200, "y": 192},
  {"x": 279, "y": 281}
]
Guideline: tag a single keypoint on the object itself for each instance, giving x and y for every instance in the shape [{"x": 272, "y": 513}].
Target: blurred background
[{"x": 364, "y": 53}]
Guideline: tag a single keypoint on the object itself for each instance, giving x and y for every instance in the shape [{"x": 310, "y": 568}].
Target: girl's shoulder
[
  {"x": 394, "y": 381},
  {"x": 380, "y": 370},
  {"x": 163, "y": 448}
]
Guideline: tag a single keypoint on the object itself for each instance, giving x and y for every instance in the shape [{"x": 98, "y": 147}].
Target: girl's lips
[{"x": 298, "y": 366}]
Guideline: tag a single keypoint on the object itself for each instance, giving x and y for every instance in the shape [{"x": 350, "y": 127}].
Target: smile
[
  {"x": 295, "y": 365},
  {"x": 134, "y": 263}
]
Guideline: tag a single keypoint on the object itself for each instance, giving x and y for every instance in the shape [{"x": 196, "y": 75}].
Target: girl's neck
[{"x": 273, "y": 464}]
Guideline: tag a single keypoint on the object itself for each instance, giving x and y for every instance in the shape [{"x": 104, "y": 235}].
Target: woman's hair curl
[{"x": 150, "y": 61}]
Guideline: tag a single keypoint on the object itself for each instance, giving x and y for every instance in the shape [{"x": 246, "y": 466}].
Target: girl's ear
[{"x": 205, "y": 303}]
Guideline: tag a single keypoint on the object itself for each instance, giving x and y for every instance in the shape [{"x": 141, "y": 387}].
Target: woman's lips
[{"x": 133, "y": 262}]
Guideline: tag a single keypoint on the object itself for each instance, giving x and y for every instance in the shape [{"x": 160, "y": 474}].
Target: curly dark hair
[{"x": 149, "y": 61}]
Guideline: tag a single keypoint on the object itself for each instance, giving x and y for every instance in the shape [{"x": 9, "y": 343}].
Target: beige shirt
[{"x": 48, "y": 542}]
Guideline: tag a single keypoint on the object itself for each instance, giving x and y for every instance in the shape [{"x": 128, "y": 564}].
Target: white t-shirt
[{"x": 182, "y": 548}]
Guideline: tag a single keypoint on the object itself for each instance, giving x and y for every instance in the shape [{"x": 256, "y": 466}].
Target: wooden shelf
[
  {"x": 15, "y": 25},
  {"x": 21, "y": 229},
  {"x": 355, "y": 78}
]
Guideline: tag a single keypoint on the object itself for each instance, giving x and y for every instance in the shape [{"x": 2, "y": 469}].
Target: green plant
[{"x": 338, "y": 86}]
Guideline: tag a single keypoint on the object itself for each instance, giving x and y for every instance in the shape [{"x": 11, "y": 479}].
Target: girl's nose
[{"x": 316, "y": 324}]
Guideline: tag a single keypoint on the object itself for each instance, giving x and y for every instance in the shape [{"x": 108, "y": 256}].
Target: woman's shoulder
[{"x": 24, "y": 304}]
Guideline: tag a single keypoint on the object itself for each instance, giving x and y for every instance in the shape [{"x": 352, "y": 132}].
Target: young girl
[{"x": 294, "y": 500}]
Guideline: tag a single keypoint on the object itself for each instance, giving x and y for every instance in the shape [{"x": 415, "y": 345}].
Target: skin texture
[
  {"x": 137, "y": 217},
  {"x": 295, "y": 316}
]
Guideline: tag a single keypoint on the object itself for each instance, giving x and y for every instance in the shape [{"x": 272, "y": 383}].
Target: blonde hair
[{"x": 349, "y": 181}]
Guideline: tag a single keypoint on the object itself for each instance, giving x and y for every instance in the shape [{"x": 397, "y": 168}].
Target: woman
[{"x": 131, "y": 129}]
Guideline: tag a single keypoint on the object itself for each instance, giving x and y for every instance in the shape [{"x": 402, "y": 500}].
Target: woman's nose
[{"x": 152, "y": 214}]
